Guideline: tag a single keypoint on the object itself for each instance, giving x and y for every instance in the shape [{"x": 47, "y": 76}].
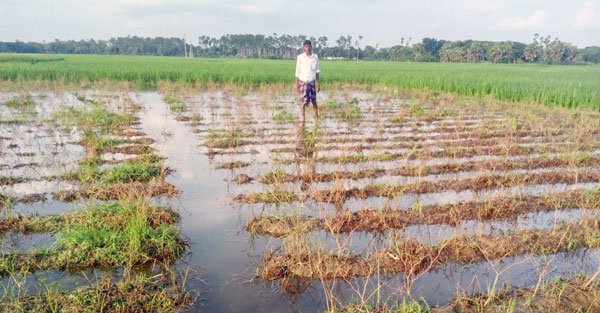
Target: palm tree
[{"x": 358, "y": 46}]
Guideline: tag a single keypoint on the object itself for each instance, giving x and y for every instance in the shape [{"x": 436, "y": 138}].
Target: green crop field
[
  {"x": 165, "y": 184},
  {"x": 560, "y": 85}
]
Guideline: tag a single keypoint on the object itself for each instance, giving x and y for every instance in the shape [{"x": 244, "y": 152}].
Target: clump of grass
[
  {"x": 128, "y": 172},
  {"x": 86, "y": 172},
  {"x": 404, "y": 306},
  {"x": 141, "y": 169},
  {"x": 225, "y": 139},
  {"x": 6, "y": 202},
  {"x": 283, "y": 116},
  {"x": 196, "y": 118},
  {"x": 176, "y": 105},
  {"x": 277, "y": 196},
  {"x": 333, "y": 104},
  {"x": 139, "y": 293},
  {"x": 21, "y": 101},
  {"x": 117, "y": 191},
  {"x": 13, "y": 121},
  {"x": 117, "y": 234},
  {"x": 127, "y": 233},
  {"x": 281, "y": 226},
  {"x": 349, "y": 110},
  {"x": 98, "y": 117},
  {"x": 352, "y": 113},
  {"x": 97, "y": 143},
  {"x": 87, "y": 100},
  {"x": 11, "y": 180},
  {"x": 232, "y": 165}
]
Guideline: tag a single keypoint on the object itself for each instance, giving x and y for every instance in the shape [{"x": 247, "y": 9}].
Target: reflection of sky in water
[
  {"x": 11, "y": 242},
  {"x": 39, "y": 186}
]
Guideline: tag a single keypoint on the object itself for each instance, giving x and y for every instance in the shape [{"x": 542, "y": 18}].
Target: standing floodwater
[
  {"x": 220, "y": 200},
  {"x": 210, "y": 144}
]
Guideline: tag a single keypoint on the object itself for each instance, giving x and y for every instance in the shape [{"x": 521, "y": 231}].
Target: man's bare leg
[
  {"x": 303, "y": 113},
  {"x": 316, "y": 109}
]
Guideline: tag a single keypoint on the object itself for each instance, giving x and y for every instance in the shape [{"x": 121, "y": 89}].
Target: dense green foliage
[
  {"x": 569, "y": 86},
  {"x": 540, "y": 50},
  {"x": 122, "y": 45}
]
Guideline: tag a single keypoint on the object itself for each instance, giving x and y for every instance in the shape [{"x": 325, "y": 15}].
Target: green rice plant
[
  {"x": 226, "y": 138},
  {"x": 332, "y": 104},
  {"x": 97, "y": 117},
  {"x": 128, "y": 172},
  {"x": 352, "y": 113},
  {"x": 283, "y": 116},
  {"x": 175, "y": 104},
  {"x": 31, "y": 59},
  {"x": 556, "y": 85}
]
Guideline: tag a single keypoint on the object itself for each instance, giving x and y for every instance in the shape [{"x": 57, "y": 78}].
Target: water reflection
[{"x": 304, "y": 154}]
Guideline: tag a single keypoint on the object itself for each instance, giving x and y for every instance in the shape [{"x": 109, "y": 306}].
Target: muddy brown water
[{"x": 226, "y": 256}]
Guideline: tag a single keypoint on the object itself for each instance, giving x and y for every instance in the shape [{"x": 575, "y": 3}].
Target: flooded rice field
[{"x": 247, "y": 209}]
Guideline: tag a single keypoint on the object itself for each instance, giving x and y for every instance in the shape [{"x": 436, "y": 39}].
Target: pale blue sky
[{"x": 378, "y": 21}]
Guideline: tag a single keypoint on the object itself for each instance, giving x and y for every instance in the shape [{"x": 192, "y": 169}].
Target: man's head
[{"x": 307, "y": 47}]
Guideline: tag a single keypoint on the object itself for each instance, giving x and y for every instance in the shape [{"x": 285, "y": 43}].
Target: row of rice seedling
[
  {"x": 373, "y": 235},
  {"x": 115, "y": 226}
]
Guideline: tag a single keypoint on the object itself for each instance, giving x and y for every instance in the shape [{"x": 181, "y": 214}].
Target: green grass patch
[
  {"x": 13, "y": 121},
  {"x": 97, "y": 117},
  {"x": 225, "y": 138},
  {"x": 141, "y": 169},
  {"x": 11, "y": 180},
  {"x": 20, "y": 101},
  {"x": 352, "y": 112},
  {"x": 175, "y": 104},
  {"x": 138, "y": 293},
  {"x": 29, "y": 59},
  {"x": 128, "y": 172},
  {"x": 283, "y": 116},
  {"x": 120, "y": 234}
]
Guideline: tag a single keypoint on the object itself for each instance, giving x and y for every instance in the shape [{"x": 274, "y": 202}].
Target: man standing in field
[{"x": 307, "y": 73}]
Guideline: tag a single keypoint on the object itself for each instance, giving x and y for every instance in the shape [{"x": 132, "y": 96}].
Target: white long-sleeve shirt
[{"x": 307, "y": 67}]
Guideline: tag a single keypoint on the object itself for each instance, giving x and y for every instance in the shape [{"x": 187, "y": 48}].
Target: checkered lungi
[{"x": 308, "y": 92}]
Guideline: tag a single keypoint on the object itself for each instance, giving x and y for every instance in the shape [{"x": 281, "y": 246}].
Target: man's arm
[
  {"x": 318, "y": 72},
  {"x": 318, "y": 83},
  {"x": 297, "y": 75}
]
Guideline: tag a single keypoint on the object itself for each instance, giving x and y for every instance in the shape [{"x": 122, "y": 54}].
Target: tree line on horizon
[{"x": 540, "y": 50}]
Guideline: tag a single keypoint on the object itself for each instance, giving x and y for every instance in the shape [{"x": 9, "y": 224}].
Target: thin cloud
[
  {"x": 538, "y": 19},
  {"x": 588, "y": 16},
  {"x": 382, "y": 22}
]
